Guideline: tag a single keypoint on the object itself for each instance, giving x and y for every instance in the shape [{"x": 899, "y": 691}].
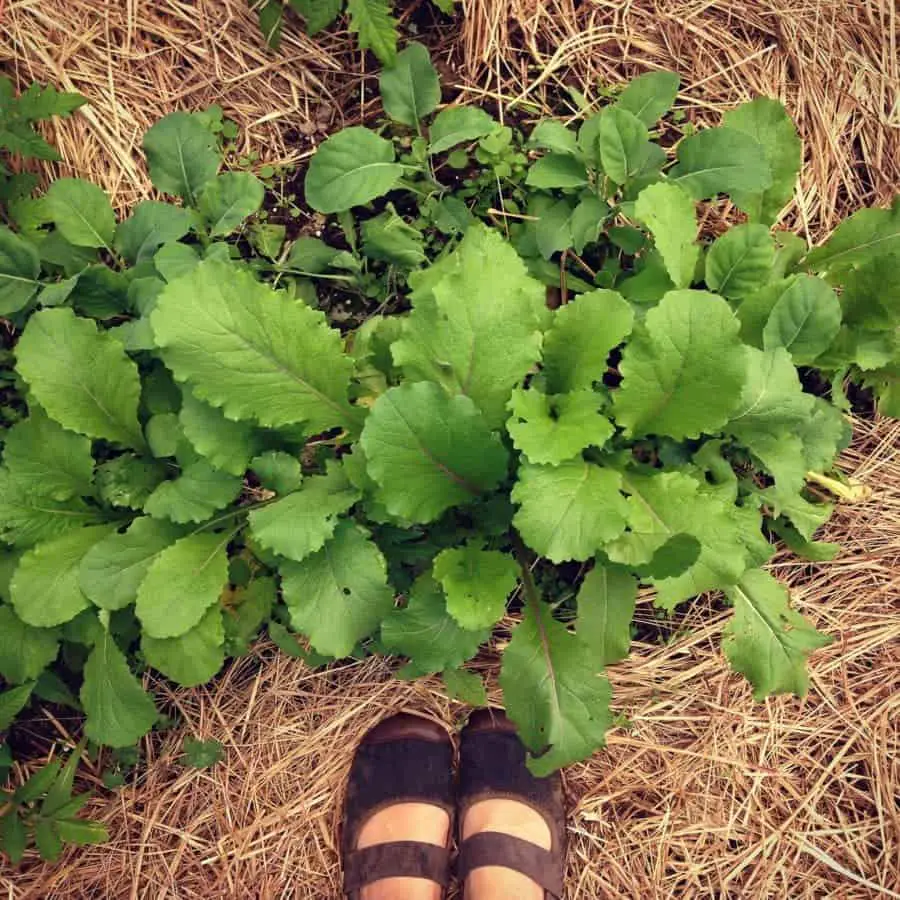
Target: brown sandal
[
  {"x": 404, "y": 759},
  {"x": 492, "y": 766}
]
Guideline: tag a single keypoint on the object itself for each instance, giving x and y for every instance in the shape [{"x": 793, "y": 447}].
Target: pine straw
[{"x": 707, "y": 794}]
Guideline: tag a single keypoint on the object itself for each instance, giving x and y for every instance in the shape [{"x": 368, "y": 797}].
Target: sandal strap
[
  {"x": 396, "y": 859},
  {"x": 493, "y": 848}
]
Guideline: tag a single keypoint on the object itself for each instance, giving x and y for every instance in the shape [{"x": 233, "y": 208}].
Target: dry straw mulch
[{"x": 707, "y": 794}]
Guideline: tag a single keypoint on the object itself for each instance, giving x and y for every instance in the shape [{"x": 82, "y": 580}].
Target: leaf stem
[
  {"x": 854, "y": 492},
  {"x": 532, "y": 597}
]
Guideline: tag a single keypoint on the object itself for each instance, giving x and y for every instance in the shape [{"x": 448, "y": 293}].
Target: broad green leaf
[
  {"x": 227, "y": 444},
  {"x": 587, "y": 220},
  {"x": 252, "y": 351},
  {"x": 671, "y": 216},
  {"x": 229, "y": 199},
  {"x": 606, "y": 601},
  {"x": 426, "y": 633},
  {"x": 684, "y": 371},
  {"x": 866, "y": 235},
  {"x": 198, "y": 492},
  {"x": 12, "y": 702},
  {"x": 302, "y": 522},
  {"x": 568, "y": 511},
  {"x": 458, "y": 125},
  {"x": 650, "y": 281},
  {"x": 475, "y": 325},
  {"x": 340, "y": 594},
  {"x": 351, "y": 168},
  {"x": 266, "y": 238},
  {"x": 583, "y": 333},
  {"x": 28, "y": 516},
  {"x": 824, "y": 433},
  {"x": 476, "y": 583},
  {"x": 771, "y": 415},
  {"x": 57, "y": 293},
  {"x": 556, "y": 170},
  {"x": 57, "y": 462},
  {"x": 410, "y": 89},
  {"x": 101, "y": 293},
  {"x": 194, "y": 657},
  {"x": 556, "y": 427},
  {"x": 740, "y": 261},
  {"x": 553, "y": 230},
  {"x": 25, "y": 651},
  {"x": 20, "y": 267},
  {"x": 465, "y": 687},
  {"x": 767, "y": 641},
  {"x": 552, "y": 135},
  {"x": 164, "y": 434},
  {"x": 650, "y": 96},
  {"x": 182, "y": 582},
  {"x": 44, "y": 588},
  {"x": 182, "y": 155},
  {"x": 174, "y": 260},
  {"x": 623, "y": 144},
  {"x": 388, "y": 238},
  {"x": 112, "y": 570},
  {"x": 277, "y": 471},
  {"x": 429, "y": 451},
  {"x": 81, "y": 376},
  {"x": 767, "y": 122},
  {"x": 311, "y": 255},
  {"x": 82, "y": 212},
  {"x": 663, "y": 505},
  {"x": 870, "y": 299},
  {"x": 589, "y": 140},
  {"x": 553, "y": 692},
  {"x": 805, "y": 320},
  {"x": 128, "y": 481},
  {"x": 721, "y": 161},
  {"x": 119, "y": 711},
  {"x": 319, "y": 14},
  {"x": 151, "y": 225},
  {"x": 450, "y": 215},
  {"x": 375, "y": 27},
  {"x": 806, "y": 517},
  {"x": 245, "y": 611}
]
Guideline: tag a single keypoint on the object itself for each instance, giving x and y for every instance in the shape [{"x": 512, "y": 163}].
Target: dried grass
[{"x": 708, "y": 794}]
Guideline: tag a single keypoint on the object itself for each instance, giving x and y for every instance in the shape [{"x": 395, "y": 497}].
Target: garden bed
[{"x": 707, "y": 791}]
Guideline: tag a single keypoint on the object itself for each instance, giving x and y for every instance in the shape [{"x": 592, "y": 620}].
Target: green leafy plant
[
  {"x": 44, "y": 811},
  {"x": 18, "y": 137},
  {"x": 388, "y": 440},
  {"x": 202, "y": 754},
  {"x": 372, "y": 21}
]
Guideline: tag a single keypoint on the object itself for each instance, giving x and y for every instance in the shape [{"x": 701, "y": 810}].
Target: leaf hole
[{"x": 345, "y": 591}]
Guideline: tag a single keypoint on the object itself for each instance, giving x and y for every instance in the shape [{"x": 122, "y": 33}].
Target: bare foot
[
  {"x": 508, "y": 817},
  {"x": 405, "y": 822}
]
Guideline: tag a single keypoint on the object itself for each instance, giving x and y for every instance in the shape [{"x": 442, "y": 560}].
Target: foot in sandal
[
  {"x": 397, "y": 816},
  {"x": 512, "y": 825}
]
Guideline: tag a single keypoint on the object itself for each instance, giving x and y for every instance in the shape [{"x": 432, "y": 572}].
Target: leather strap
[
  {"x": 492, "y": 848},
  {"x": 397, "y": 859}
]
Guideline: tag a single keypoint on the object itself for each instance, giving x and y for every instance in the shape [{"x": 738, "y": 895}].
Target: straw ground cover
[{"x": 344, "y": 702}]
